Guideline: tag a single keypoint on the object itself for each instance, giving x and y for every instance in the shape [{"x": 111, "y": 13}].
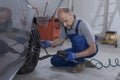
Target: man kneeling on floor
[{"x": 81, "y": 37}]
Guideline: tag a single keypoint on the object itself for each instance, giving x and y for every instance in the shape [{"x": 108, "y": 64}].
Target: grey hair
[{"x": 66, "y": 10}]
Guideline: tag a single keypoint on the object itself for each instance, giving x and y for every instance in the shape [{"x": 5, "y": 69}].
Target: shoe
[
  {"x": 78, "y": 68},
  {"x": 89, "y": 64}
]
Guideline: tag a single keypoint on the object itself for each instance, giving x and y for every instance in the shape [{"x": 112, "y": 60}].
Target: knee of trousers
[{"x": 56, "y": 60}]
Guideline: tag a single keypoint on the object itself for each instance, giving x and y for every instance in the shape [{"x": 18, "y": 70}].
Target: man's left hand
[{"x": 71, "y": 56}]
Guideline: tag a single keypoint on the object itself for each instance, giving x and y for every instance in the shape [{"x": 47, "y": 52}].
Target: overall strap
[{"x": 77, "y": 26}]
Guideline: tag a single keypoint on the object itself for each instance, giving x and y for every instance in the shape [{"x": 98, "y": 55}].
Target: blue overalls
[{"x": 79, "y": 44}]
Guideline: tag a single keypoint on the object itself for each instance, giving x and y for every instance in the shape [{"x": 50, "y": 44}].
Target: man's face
[{"x": 66, "y": 19}]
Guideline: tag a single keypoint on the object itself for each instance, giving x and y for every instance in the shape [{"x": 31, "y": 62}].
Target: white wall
[
  {"x": 85, "y": 9},
  {"x": 52, "y": 5},
  {"x": 82, "y": 8}
]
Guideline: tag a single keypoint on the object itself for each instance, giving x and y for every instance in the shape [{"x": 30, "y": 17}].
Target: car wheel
[{"x": 33, "y": 52}]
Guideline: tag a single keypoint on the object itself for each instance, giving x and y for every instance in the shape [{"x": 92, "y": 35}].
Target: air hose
[
  {"x": 46, "y": 56},
  {"x": 100, "y": 65}
]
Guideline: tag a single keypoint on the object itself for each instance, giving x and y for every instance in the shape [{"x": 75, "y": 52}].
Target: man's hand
[
  {"x": 45, "y": 43},
  {"x": 71, "y": 56}
]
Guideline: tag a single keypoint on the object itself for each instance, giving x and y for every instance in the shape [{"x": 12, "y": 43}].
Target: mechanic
[{"x": 81, "y": 37}]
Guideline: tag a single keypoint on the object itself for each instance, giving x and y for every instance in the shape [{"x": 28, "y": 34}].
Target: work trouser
[
  {"x": 79, "y": 44},
  {"x": 57, "y": 60}
]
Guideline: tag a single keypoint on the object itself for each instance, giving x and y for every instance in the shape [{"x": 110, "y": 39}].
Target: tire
[{"x": 33, "y": 52}]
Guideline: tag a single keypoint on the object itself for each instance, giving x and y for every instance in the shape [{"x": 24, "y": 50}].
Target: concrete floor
[{"x": 44, "y": 72}]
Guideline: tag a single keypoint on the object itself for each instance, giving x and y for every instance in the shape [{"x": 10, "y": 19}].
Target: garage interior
[{"x": 104, "y": 19}]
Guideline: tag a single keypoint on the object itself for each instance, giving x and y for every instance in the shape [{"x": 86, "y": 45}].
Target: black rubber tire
[{"x": 33, "y": 52}]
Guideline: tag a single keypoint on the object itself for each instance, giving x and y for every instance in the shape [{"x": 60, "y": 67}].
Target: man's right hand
[{"x": 45, "y": 43}]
